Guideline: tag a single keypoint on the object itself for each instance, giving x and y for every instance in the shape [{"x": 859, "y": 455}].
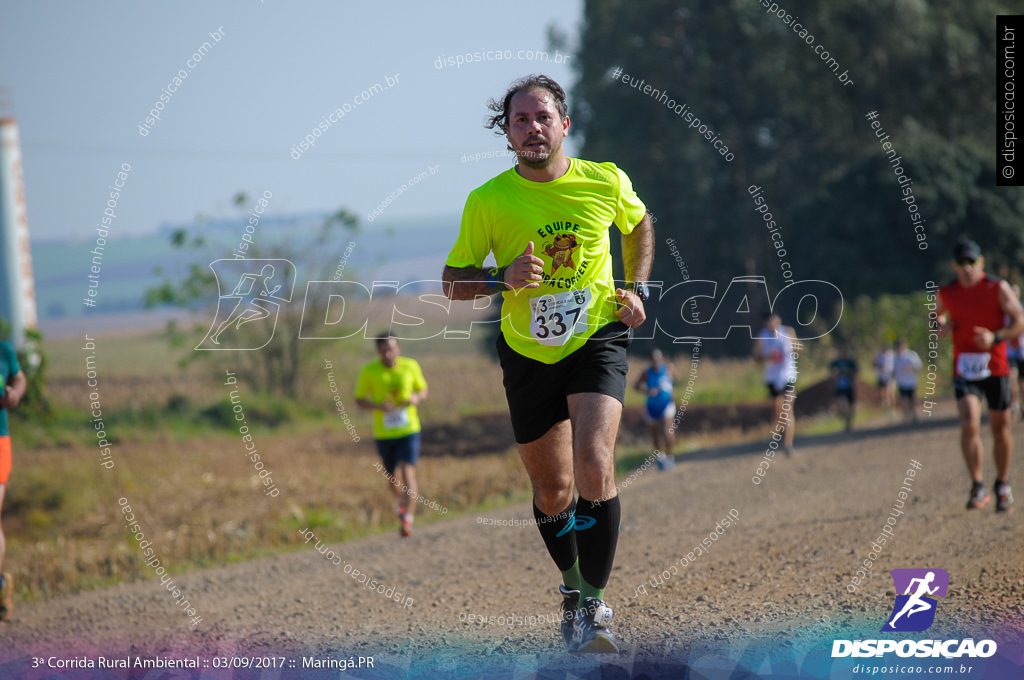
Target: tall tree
[{"x": 800, "y": 133}]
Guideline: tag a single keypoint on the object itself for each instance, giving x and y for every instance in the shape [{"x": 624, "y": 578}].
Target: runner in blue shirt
[{"x": 657, "y": 382}]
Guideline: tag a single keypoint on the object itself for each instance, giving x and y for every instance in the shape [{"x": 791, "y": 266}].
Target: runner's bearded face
[{"x": 535, "y": 131}]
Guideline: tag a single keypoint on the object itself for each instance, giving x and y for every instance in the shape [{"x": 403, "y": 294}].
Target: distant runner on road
[
  {"x": 883, "y": 365},
  {"x": 657, "y": 382},
  {"x": 906, "y": 367},
  {"x": 975, "y": 308},
  {"x": 774, "y": 349},
  {"x": 844, "y": 377},
  {"x": 392, "y": 386}
]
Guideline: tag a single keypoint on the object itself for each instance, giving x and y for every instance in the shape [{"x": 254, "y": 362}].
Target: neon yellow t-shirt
[
  {"x": 568, "y": 220},
  {"x": 396, "y": 384}
]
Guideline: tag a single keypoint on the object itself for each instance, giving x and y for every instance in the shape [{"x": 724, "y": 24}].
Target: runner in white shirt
[
  {"x": 906, "y": 366},
  {"x": 774, "y": 349}
]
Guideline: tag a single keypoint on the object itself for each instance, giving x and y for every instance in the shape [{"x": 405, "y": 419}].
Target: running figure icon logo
[
  {"x": 914, "y": 610},
  {"x": 257, "y": 289}
]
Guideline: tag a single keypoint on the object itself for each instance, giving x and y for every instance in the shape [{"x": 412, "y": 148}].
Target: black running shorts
[
  {"x": 774, "y": 391},
  {"x": 996, "y": 389},
  {"x": 537, "y": 392}
]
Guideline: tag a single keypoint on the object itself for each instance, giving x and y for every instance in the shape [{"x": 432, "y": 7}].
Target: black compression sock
[
  {"x": 560, "y": 538},
  {"x": 597, "y": 536}
]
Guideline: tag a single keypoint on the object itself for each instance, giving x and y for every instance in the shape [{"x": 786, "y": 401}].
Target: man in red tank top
[{"x": 982, "y": 312}]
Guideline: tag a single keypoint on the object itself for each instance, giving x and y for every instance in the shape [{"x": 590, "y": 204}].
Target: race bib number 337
[{"x": 554, "y": 318}]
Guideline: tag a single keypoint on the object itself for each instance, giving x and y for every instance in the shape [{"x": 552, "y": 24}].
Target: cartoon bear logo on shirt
[{"x": 561, "y": 251}]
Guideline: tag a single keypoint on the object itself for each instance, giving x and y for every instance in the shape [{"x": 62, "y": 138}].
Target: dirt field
[{"x": 778, "y": 577}]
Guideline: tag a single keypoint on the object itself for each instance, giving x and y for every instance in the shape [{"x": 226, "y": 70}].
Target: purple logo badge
[{"x": 914, "y": 609}]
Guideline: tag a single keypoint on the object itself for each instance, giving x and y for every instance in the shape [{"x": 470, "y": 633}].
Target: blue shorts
[
  {"x": 401, "y": 450},
  {"x": 660, "y": 407}
]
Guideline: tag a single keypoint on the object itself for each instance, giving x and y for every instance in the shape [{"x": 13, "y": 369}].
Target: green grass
[
  {"x": 179, "y": 457},
  {"x": 118, "y": 356}
]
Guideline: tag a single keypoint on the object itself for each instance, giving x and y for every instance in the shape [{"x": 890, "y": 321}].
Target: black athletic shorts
[
  {"x": 996, "y": 389},
  {"x": 537, "y": 392},
  {"x": 847, "y": 394},
  {"x": 774, "y": 391},
  {"x": 907, "y": 392}
]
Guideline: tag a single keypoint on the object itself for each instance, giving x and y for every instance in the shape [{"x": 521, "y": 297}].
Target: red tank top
[{"x": 970, "y": 307}]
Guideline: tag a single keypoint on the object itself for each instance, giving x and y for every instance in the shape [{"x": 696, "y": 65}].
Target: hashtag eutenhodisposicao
[{"x": 680, "y": 110}]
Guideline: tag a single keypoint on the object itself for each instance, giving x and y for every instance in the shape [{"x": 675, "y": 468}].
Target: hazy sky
[{"x": 83, "y": 76}]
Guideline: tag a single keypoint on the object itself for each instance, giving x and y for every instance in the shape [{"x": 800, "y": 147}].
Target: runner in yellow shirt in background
[{"x": 392, "y": 386}]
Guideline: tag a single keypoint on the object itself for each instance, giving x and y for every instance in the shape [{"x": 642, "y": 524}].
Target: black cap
[{"x": 966, "y": 250}]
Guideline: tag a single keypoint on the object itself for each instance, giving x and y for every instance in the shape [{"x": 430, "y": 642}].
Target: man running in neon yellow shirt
[
  {"x": 392, "y": 386},
  {"x": 565, "y": 328}
]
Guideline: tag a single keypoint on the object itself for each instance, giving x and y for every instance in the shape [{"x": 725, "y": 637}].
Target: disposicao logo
[
  {"x": 262, "y": 287},
  {"x": 914, "y": 611}
]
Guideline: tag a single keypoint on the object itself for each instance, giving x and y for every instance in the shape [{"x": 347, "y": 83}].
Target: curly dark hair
[{"x": 501, "y": 108}]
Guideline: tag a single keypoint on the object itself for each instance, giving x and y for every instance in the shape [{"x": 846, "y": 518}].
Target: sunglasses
[{"x": 963, "y": 262}]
